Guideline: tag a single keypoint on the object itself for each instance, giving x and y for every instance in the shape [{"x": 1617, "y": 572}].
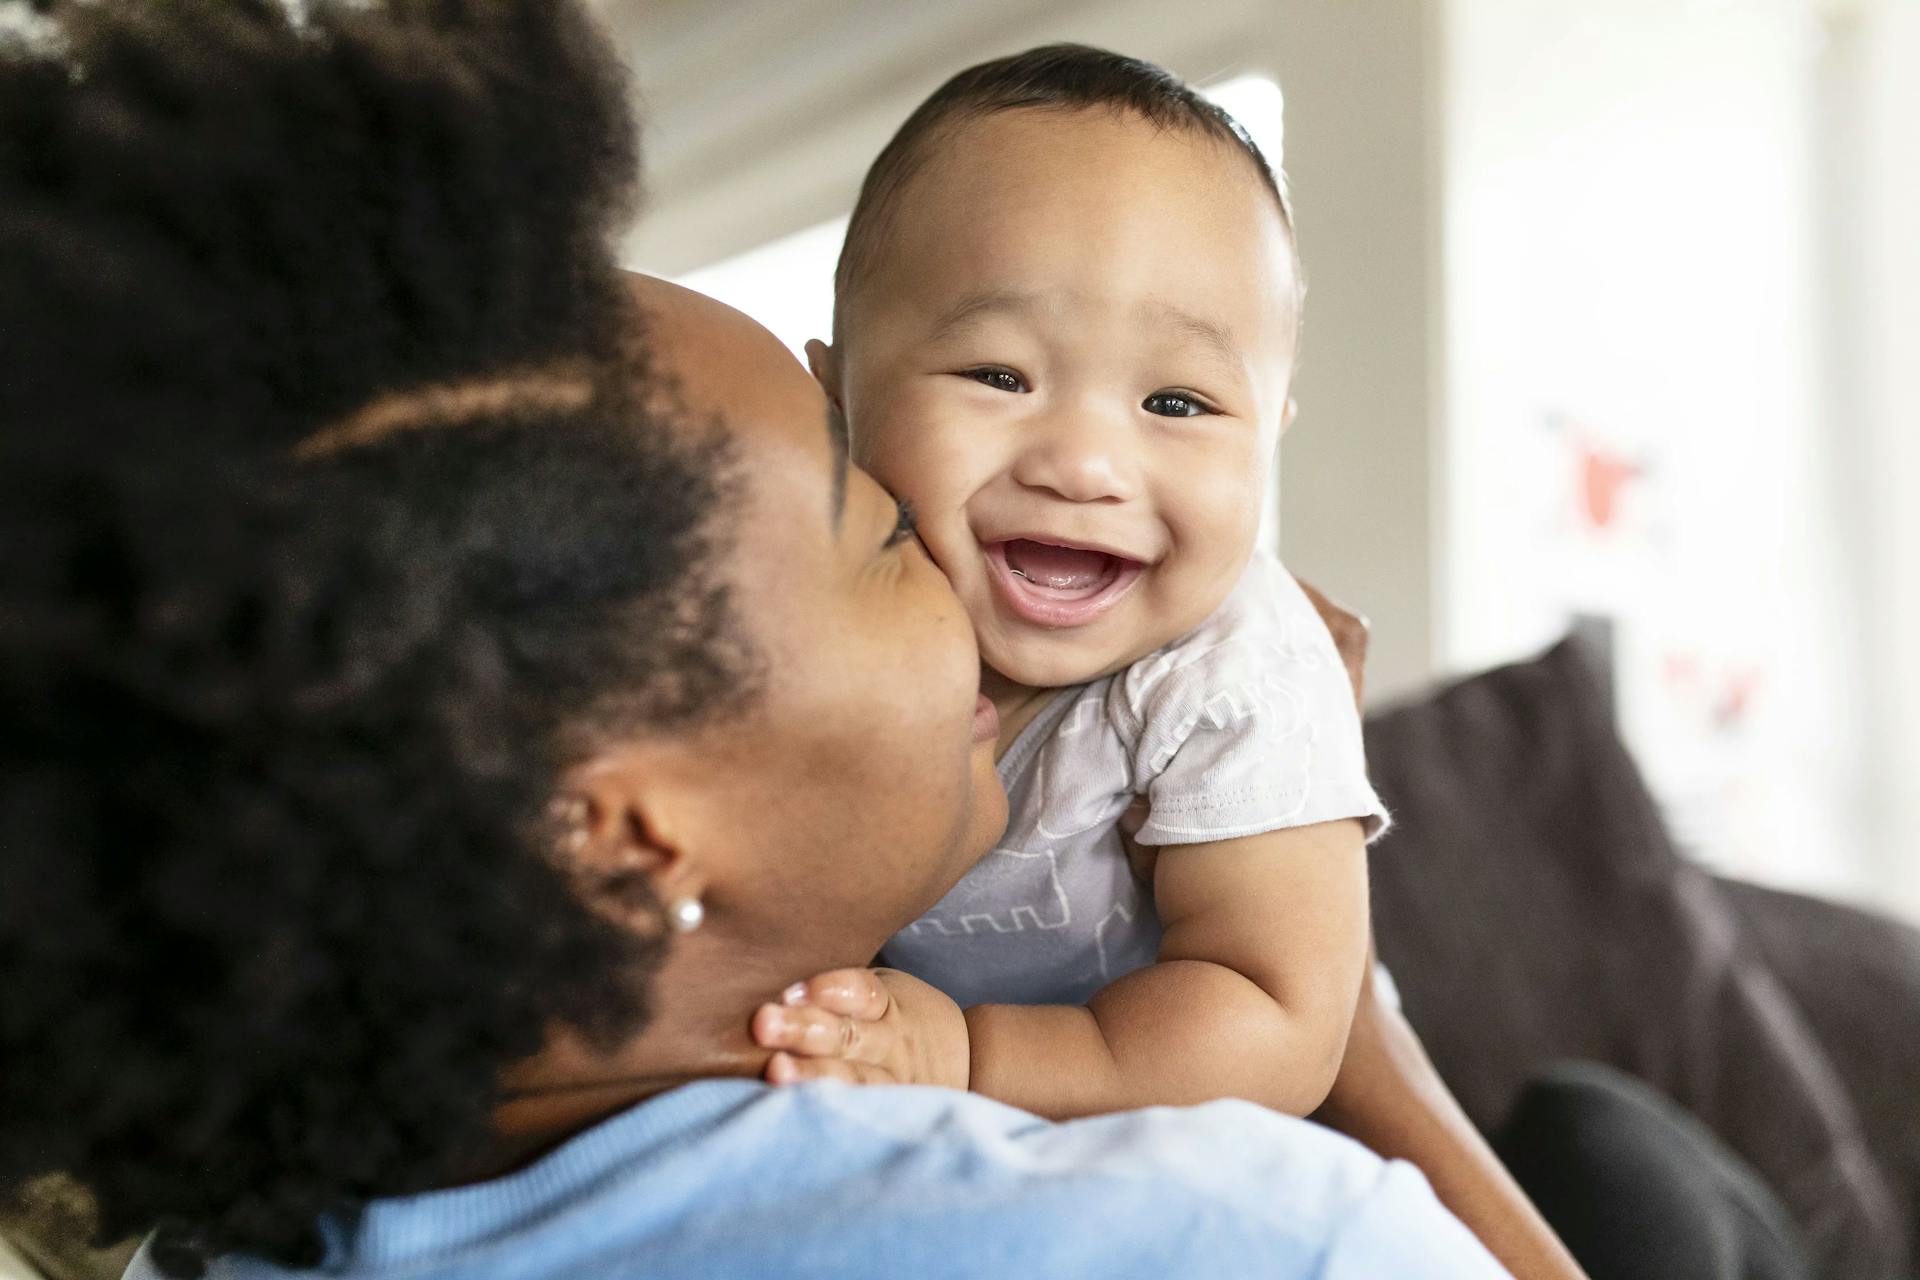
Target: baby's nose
[{"x": 1080, "y": 460}]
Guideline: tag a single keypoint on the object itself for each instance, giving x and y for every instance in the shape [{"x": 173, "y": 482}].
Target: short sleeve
[{"x": 1248, "y": 724}]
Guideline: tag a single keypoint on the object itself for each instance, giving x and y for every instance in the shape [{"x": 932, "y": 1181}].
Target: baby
[{"x": 1065, "y": 322}]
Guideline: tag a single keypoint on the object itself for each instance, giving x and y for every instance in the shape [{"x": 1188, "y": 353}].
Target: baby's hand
[{"x": 867, "y": 1026}]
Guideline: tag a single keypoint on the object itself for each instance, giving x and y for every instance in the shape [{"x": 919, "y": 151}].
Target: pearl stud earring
[{"x": 686, "y": 914}]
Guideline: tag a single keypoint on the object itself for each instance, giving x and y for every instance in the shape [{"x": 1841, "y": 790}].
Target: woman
[{"x": 447, "y": 688}]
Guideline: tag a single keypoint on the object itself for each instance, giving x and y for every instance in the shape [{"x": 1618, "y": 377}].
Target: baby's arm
[{"x": 1252, "y": 996}]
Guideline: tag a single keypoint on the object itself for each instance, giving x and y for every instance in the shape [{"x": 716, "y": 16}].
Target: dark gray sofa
[{"x": 1533, "y": 908}]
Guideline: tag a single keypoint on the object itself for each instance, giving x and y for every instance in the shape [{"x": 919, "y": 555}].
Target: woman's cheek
[{"x": 954, "y": 636}]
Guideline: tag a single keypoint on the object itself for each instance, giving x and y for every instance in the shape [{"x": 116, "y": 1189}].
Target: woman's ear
[
  {"x": 824, "y": 362},
  {"x": 618, "y": 837},
  {"x": 1287, "y": 414}
]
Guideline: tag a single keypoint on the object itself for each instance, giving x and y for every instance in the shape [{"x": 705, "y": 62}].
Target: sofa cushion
[
  {"x": 1856, "y": 976},
  {"x": 1532, "y": 909}
]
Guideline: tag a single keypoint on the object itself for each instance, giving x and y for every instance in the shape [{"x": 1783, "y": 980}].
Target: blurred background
[{"x": 1613, "y": 322}]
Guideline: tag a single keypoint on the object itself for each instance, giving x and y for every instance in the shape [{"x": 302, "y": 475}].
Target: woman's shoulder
[
  {"x": 736, "y": 1179},
  {"x": 1164, "y": 1191}
]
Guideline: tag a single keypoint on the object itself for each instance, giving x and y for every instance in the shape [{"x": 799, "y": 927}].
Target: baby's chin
[{"x": 1040, "y": 659}]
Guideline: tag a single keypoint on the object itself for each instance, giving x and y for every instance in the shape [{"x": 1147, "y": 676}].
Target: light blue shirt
[{"x": 733, "y": 1179}]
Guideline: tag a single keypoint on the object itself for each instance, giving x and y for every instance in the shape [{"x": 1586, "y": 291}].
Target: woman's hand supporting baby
[{"x": 865, "y": 1026}]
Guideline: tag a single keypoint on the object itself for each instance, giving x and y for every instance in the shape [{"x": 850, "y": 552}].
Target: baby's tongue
[{"x": 1058, "y": 568}]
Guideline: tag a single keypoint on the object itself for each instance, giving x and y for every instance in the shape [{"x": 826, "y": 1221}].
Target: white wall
[
  {"x": 1359, "y": 509},
  {"x": 1881, "y": 41},
  {"x": 1655, "y": 217}
]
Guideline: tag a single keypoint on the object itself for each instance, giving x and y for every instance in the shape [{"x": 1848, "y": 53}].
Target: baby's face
[{"x": 1072, "y": 356}]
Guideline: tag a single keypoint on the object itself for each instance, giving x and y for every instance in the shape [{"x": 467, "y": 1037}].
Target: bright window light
[
  {"x": 1256, "y": 102},
  {"x": 785, "y": 284}
]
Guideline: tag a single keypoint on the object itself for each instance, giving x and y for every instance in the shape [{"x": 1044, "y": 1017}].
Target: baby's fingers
[
  {"x": 784, "y": 1068},
  {"x": 814, "y": 1032},
  {"x": 857, "y": 993}
]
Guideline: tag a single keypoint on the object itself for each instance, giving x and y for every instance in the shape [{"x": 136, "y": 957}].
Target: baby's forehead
[
  {"x": 1087, "y": 201},
  {"x": 985, "y": 183}
]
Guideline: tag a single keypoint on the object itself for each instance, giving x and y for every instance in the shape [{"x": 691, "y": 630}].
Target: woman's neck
[{"x": 701, "y": 1003}]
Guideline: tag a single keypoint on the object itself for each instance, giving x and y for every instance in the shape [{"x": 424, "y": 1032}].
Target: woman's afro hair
[{"x": 277, "y": 735}]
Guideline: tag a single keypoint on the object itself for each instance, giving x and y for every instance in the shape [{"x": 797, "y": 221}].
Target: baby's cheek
[
  {"x": 906, "y": 467},
  {"x": 872, "y": 447},
  {"x": 1214, "y": 541},
  {"x": 1219, "y": 521},
  {"x": 1244, "y": 494},
  {"x": 875, "y": 425}
]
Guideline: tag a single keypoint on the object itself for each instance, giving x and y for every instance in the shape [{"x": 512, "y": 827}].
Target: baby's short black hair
[{"x": 1060, "y": 77}]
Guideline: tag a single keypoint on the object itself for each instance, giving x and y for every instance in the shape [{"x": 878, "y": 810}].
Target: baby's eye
[
  {"x": 1174, "y": 404},
  {"x": 997, "y": 378}
]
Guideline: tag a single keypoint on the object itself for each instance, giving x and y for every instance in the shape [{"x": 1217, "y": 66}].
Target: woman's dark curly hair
[{"x": 277, "y": 732}]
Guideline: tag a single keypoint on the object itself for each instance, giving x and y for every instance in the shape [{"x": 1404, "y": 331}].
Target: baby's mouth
[{"x": 1053, "y": 585}]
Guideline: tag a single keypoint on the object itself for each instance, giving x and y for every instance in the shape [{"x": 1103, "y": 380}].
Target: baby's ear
[
  {"x": 824, "y": 361},
  {"x": 1286, "y": 414}
]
